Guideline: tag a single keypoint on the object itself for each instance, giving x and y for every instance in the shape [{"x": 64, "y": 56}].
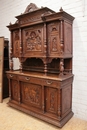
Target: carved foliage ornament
[
  {"x": 33, "y": 40},
  {"x": 16, "y": 39}
]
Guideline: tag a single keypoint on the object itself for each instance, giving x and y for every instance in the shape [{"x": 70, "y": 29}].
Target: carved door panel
[
  {"x": 53, "y": 38},
  {"x": 14, "y": 89},
  {"x": 16, "y": 43},
  {"x": 31, "y": 94},
  {"x": 33, "y": 41},
  {"x": 51, "y": 100}
]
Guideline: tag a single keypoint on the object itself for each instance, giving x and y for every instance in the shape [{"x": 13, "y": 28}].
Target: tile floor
[{"x": 12, "y": 119}]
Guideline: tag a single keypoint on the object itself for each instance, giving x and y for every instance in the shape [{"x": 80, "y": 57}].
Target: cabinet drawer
[
  {"x": 30, "y": 79},
  {"x": 50, "y": 83},
  {"x": 12, "y": 76}
]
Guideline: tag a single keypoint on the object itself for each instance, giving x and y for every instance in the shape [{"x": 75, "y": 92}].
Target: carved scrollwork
[
  {"x": 31, "y": 7},
  {"x": 52, "y": 101}
]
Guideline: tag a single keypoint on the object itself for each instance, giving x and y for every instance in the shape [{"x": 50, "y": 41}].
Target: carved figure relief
[
  {"x": 54, "y": 44},
  {"x": 33, "y": 40},
  {"x": 53, "y": 35},
  {"x": 32, "y": 93}
]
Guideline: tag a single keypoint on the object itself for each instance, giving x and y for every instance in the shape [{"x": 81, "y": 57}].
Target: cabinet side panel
[
  {"x": 67, "y": 38},
  {"x": 66, "y": 99}
]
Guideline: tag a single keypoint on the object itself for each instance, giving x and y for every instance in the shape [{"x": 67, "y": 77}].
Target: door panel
[
  {"x": 14, "y": 89},
  {"x": 31, "y": 94},
  {"x": 51, "y": 100}
]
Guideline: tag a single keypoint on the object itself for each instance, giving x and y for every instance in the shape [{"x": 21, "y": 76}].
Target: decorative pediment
[{"x": 31, "y": 7}]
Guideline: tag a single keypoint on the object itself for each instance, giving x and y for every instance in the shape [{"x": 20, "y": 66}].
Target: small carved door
[
  {"x": 1, "y": 66},
  {"x": 51, "y": 100},
  {"x": 14, "y": 90}
]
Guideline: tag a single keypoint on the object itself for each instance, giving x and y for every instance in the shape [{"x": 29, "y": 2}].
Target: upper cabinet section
[{"x": 41, "y": 32}]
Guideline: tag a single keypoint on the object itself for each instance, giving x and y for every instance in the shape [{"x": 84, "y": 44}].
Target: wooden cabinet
[
  {"x": 42, "y": 87},
  {"x": 6, "y": 68}
]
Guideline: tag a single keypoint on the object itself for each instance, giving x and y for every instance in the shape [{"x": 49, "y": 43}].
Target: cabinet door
[
  {"x": 31, "y": 94},
  {"x": 33, "y": 41},
  {"x": 51, "y": 100},
  {"x": 53, "y": 38},
  {"x": 14, "y": 89}
]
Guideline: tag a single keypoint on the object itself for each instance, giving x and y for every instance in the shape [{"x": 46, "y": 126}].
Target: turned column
[
  {"x": 61, "y": 66},
  {"x": 45, "y": 50},
  {"x": 61, "y": 37},
  {"x": 20, "y": 50}
]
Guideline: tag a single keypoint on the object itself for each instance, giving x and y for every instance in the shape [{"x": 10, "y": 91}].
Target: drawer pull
[
  {"x": 49, "y": 82},
  {"x": 27, "y": 78},
  {"x": 11, "y": 75}
]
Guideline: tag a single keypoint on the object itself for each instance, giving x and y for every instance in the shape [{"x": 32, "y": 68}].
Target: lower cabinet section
[{"x": 49, "y": 100}]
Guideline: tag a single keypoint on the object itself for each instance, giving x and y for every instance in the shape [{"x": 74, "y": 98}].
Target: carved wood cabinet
[{"x": 42, "y": 87}]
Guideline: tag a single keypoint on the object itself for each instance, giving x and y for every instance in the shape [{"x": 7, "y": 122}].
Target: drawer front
[
  {"x": 30, "y": 79},
  {"x": 50, "y": 83},
  {"x": 12, "y": 76}
]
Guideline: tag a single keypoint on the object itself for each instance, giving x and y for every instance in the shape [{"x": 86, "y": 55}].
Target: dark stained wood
[
  {"x": 42, "y": 87},
  {"x": 6, "y": 68}
]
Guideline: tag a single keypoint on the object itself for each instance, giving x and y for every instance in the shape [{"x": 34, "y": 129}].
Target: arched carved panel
[{"x": 53, "y": 38}]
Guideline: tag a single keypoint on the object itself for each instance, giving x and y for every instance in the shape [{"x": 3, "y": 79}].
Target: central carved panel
[
  {"x": 32, "y": 39},
  {"x": 31, "y": 94}
]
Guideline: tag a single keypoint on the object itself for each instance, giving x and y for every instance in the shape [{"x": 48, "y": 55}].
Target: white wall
[{"x": 78, "y": 9}]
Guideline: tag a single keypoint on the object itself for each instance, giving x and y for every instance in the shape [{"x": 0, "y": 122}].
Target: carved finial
[
  {"x": 10, "y": 23},
  {"x": 42, "y": 7},
  {"x": 61, "y": 9},
  {"x": 31, "y": 7}
]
